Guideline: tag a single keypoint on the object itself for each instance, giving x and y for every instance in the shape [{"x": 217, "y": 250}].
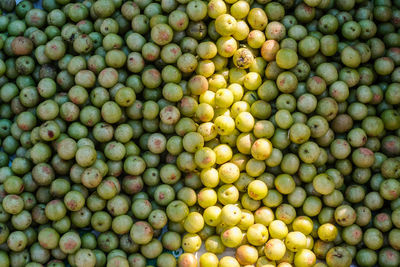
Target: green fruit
[{"x": 286, "y": 58}]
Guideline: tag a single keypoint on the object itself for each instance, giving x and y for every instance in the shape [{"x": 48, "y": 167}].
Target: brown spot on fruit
[
  {"x": 229, "y": 48},
  {"x": 389, "y": 254},
  {"x": 157, "y": 142},
  {"x": 164, "y": 35},
  {"x": 154, "y": 73},
  {"x": 393, "y": 193},
  {"x": 24, "y": 127},
  {"x": 72, "y": 204},
  {"x": 366, "y": 151},
  {"x": 318, "y": 79},
  {"x": 226, "y": 234},
  {"x": 70, "y": 244},
  {"x": 356, "y": 234},
  {"x": 382, "y": 217},
  {"x": 151, "y": 57},
  {"x": 206, "y": 160}
]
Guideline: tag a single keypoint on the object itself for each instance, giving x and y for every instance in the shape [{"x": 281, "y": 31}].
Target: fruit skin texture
[
  {"x": 338, "y": 256},
  {"x": 274, "y": 249}
]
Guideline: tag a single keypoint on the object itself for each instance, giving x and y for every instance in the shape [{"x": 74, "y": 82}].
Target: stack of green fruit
[{"x": 268, "y": 127}]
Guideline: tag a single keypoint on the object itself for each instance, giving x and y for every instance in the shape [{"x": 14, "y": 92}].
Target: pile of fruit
[{"x": 133, "y": 129}]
